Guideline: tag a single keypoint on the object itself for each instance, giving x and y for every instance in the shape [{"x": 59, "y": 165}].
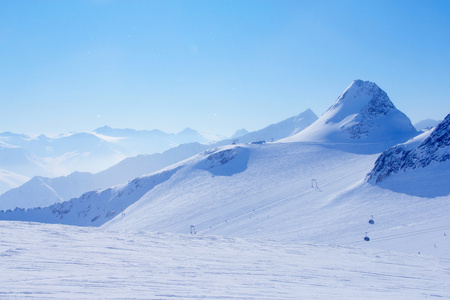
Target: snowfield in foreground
[{"x": 48, "y": 261}]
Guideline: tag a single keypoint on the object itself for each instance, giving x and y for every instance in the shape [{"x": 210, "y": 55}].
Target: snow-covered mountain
[
  {"x": 311, "y": 191},
  {"x": 430, "y": 150},
  {"x": 293, "y": 219},
  {"x": 239, "y": 133},
  {"x": 290, "y": 191},
  {"x": 55, "y": 190},
  {"x": 363, "y": 113}
]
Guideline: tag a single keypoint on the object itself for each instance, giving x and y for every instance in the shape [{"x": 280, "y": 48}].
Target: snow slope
[
  {"x": 363, "y": 112},
  {"x": 91, "y": 263}
]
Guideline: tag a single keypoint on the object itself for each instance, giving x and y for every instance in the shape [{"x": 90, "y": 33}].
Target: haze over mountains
[{"x": 23, "y": 157}]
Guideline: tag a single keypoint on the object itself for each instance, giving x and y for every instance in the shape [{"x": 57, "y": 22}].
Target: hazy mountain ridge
[
  {"x": 426, "y": 124},
  {"x": 23, "y": 156}
]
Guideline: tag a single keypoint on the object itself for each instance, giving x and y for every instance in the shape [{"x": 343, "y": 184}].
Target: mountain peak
[
  {"x": 360, "y": 97},
  {"x": 362, "y": 112},
  {"x": 239, "y": 133},
  {"x": 188, "y": 131}
]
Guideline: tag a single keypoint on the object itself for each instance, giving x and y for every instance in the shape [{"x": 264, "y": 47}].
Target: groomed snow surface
[{"x": 46, "y": 261}]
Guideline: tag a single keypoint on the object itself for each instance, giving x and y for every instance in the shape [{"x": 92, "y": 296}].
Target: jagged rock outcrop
[{"x": 428, "y": 148}]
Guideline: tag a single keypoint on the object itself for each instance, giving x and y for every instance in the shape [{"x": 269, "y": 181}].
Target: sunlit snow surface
[{"x": 55, "y": 261}]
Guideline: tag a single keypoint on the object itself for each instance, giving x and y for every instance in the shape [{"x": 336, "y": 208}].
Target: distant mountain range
[
  {"x": 426, "y": 124},
  {"x": 23, "y": 156}
]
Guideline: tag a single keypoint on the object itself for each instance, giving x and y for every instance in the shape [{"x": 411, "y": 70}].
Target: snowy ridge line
[{"x": 400, "y": 235}]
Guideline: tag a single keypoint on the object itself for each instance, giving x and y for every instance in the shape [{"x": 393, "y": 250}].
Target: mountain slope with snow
[{"x": 363, "y": 113}]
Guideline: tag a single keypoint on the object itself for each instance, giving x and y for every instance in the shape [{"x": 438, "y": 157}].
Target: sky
[{"x": 214, "y": 66}]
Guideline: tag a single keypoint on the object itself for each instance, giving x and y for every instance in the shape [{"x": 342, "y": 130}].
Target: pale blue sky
[{"x": 215, "y": 66}]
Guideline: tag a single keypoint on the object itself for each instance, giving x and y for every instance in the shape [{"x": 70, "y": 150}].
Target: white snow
[{"x": 91, "y": 263}]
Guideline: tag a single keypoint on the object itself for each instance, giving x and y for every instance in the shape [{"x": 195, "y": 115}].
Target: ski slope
[
  {"x": 90, "y": 263},
  {"x": 270, "y": 196}
]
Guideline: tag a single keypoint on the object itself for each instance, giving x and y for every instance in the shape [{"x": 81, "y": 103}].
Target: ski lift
[
  {"x": 366, "y": 238},
  {"x": 314, "y": 184},
  {"x": 193, "y": 230},
  {"x": 371, "y": 221}
]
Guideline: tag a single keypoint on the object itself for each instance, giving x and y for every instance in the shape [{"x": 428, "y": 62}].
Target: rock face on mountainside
[
  {"x": 430, "y": 148},
  {"x": 363, "y": 113}
]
